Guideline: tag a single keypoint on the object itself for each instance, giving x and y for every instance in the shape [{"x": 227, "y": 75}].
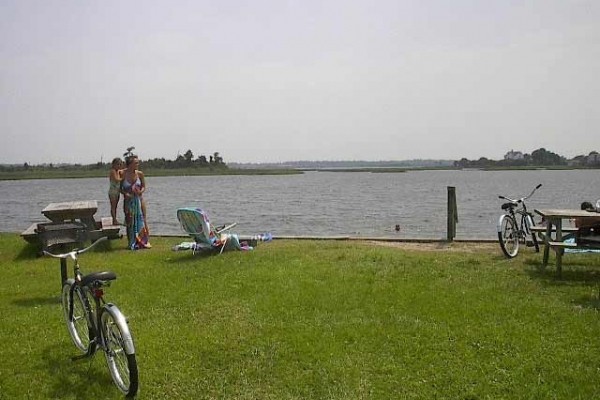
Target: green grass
[{"x": 313, "y": 320}]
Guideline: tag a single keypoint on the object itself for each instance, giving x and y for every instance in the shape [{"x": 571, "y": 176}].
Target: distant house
[
  {"x": 593, "y": 158},
  {"x": 514, "y": 155}
]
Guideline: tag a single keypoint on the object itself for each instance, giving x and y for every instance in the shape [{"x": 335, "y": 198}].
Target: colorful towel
[{"x": 137, "y": 233}]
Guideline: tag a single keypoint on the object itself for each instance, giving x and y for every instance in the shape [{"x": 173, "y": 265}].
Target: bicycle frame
[
  {"x": 524, "y": 221},
  {"x": 94, "y": 324}
]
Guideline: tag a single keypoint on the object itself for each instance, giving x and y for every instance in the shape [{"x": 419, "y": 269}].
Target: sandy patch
[{"x": 466, "y": 247}]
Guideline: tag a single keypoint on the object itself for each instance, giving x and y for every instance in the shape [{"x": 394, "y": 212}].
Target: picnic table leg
[
  {"x": 559, "y": 251},
  {"x": 547, "y": 239}
]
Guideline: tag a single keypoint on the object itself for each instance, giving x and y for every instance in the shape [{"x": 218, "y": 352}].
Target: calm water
[{"x": 319, "y": 203}]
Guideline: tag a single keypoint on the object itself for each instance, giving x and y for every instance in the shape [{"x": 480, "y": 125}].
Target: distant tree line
[
  {"x": 539, "y": 157},
  {"x": 185, "y": 160}
]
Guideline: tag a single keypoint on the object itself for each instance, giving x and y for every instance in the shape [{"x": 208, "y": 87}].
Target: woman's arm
[
  {"x": 142, "y": 181},
  {"x": 124, "y": 192}
]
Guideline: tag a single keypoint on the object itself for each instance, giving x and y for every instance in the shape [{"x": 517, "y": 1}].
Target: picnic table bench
[
  {"x": 543, "y": 229},
  {"x": 553, "y": 233}
]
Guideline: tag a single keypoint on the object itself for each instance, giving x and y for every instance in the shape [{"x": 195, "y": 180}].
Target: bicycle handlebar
[
  {"x": 522, "y": 198},
  {"x": 73, "y": 254}
]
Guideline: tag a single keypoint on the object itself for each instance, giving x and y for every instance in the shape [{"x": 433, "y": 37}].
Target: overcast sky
[{"x": 264, "y": 81}]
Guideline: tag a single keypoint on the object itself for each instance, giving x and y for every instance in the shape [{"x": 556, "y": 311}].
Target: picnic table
[
  {"x": 71, "y": 223},
  {"x": 554, "y": 233},
  {"x": 67, "y": 222},
  {"x": 72, "y": 211}
]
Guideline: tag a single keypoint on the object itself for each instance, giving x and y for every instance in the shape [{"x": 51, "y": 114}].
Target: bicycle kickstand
[{"x": 90, "y": 352}]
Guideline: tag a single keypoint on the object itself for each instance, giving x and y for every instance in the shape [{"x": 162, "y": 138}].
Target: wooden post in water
[{"x": 452, "y": 213}]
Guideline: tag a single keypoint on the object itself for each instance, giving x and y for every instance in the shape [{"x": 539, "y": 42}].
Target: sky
[{"x": 285, "y": 80}]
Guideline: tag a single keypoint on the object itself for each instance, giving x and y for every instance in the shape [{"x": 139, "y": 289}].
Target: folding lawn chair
[{"x": 195, "y": 222}]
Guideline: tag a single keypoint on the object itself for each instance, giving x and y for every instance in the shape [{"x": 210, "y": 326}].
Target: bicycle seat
[
  {"x": 506, "y": 206},
  {"x": 98, "y": 276}
]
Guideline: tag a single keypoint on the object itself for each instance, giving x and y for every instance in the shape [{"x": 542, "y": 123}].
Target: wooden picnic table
[
  {"x": 83, "y": 211},
  {"x": 70, "y": 223},
  {"x": 66, "y": 219},
  {"x": 553, "y": 235}
]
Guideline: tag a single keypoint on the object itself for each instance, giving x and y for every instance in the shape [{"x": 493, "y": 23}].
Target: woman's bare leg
[
  {"x": 114, "y": 201},
  {"x": 144, "y": 215}
]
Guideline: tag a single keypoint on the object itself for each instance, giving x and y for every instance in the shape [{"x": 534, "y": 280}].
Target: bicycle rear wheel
[
  {"x": 508, "y": 236},
  {"x": 119, "y": 350},
  {"x": 78, "y": 323}
]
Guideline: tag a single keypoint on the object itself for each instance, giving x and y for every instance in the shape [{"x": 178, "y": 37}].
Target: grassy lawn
[{"x": 313, "y": 320}]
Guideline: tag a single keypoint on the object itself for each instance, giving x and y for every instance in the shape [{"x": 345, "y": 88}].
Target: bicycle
[
  {"x": 513, "y": 230},
  {"x": 93, "y": 323}
]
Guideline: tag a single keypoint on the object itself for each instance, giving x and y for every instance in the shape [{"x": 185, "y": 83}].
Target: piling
[{"x": 452, "y": 213}]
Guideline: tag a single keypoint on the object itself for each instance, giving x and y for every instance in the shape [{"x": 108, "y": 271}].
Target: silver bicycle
[
  {"x": 514, "y": 226},
  {"x": 93, "y": 323}
]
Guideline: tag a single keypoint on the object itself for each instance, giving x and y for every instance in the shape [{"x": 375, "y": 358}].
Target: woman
[
  {"x": 114, "y": 189},
  {"x": 588, "y": 225},
  {"x": 133, "y": 186}
]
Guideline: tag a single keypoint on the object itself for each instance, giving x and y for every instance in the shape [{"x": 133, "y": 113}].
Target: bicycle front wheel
[
  {"x": 508, "y": 236},
  {"x": 119, "y": 350},
  {"x": 77, "y": 319}
]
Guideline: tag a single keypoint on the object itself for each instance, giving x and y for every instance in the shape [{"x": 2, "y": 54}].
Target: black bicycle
[
  {"x": 94, "y": 323},
  {"x": 514, "y": 226}
]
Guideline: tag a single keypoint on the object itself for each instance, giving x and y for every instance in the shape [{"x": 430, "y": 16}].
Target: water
[{"x": 319, "y": 203}]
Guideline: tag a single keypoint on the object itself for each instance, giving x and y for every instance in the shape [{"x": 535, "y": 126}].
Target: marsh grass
[
  {"x": 313, "y": 320},
  {"x": 82, "y": 172}
]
